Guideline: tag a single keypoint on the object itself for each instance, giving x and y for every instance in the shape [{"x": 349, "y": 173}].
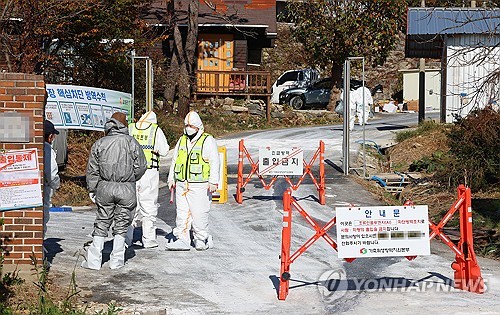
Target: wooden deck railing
[
  {"x": 250, "y": 83},
  {"x": 234, "y": 83}
]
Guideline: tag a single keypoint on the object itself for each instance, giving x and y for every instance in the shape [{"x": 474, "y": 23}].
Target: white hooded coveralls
[
  {"x": 193, "y": 200},
  {"x": 362, "y": 109},
  {"x": 352, "y": 108},
  {"x": 147, "y": 186}
]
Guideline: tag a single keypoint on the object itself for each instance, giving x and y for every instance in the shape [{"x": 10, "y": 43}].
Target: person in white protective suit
[
  {"x": 154, "y": 144},
  {"x": 363, "y": 109},
  {"x": 116, "y": 163},
  {"x": 352, "y": 108},
  {"x": 194, "y": 174},
  {"x": 51, "y": 179}
]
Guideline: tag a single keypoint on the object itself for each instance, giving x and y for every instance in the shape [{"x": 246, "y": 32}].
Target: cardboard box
[{"x": 412, "y": 105}]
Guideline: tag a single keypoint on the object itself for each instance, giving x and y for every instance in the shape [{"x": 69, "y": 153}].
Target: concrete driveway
[{"x": 240, "y": 275}]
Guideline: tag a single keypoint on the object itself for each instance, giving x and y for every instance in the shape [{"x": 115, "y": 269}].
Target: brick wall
[{"x": 22, "y": 232}]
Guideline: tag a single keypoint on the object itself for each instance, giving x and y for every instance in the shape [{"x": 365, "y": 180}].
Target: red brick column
[{"x": 22, "y": 231}]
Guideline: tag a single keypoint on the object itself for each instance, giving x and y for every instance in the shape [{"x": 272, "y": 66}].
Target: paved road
[{"x": 240, "y": 274}]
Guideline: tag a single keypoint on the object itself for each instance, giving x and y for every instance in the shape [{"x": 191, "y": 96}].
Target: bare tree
[
  {"x": 75, "y": 42},
  {"x": 471, "y": 55},
  {"x": 181, "y": 77},
  {"x": 180, "y": 73}
]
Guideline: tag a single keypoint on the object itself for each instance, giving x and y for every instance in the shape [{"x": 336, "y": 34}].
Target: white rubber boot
[
  {"x": 179, "y": 245},
  {"x": 210, "y": 242},
  {"x": 205, "y": 244},
  {"x": 94, "y": 254},
  {"x": 117, "y": 257},
  {"x": 148, "y": 234}
]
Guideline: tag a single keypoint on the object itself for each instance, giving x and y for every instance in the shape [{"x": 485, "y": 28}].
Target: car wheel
[{"x": 297, "y": 102}]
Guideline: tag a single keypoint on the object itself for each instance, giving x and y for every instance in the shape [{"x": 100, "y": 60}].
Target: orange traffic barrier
[
  {"x": 243, "y": 180},
  {"x": 286, "y": 239},
  {"x": 467, "y": 272}
]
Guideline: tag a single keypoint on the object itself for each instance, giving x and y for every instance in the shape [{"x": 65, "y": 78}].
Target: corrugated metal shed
[
  {"x": 466, "y": 88},
  {"x": 439, "y": 21},
  {"x": 427, "y": 28},
  {"x": 473, "y": 40}
]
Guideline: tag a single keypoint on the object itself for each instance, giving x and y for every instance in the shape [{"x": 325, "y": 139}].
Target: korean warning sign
[
  {"x": 20, "y": 185},
  {"x": 382, "y": 231},
  {"x": 280, "y": 161}
]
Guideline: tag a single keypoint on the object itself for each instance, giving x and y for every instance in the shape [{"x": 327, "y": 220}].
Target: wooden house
[{"x": 231, "y": 36}]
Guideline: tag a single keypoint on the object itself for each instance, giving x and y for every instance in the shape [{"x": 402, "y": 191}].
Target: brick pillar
[{"x": 22, "y": 231}]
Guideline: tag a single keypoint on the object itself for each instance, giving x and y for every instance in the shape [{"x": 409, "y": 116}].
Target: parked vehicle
[
  {"x": 317, "y": 93},
  {"x": 292, "y": 79}
]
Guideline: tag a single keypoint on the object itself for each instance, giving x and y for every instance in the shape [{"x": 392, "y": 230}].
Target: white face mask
[{"x": 190, "y": 131}]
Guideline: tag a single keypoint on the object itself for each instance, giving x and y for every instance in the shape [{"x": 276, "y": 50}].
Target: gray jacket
[{"x": 117, "y": 157}]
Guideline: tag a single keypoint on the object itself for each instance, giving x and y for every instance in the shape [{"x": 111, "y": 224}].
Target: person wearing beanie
[
  {"x": 194, "y": 174},
  {"x": 154, "y": 144},
  {"x": 116, "y": 162}
]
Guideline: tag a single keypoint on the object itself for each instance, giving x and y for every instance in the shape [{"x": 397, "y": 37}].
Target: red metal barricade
[
  {"x": 319, "y": 183},
  {"x": 467, "y": 272}
]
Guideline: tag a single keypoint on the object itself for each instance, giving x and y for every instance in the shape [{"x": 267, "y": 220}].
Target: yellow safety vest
[
  {"x": 190, "y": 165},
  {"x": 146, "y": 138}
]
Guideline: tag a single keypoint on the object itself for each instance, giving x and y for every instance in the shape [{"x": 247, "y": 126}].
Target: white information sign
[
  {"x": 82, "y": 107},
  {"x": 382, "y": 231},
  {"x": 20, "y": 185},
  {"x": 281, "y": 161}
]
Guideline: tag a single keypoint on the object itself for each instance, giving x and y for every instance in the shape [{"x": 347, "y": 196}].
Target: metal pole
[
  {"x": 364, "y": 120},
  {"x": 345, "y": 144},
  {"x": 132, "y": 115},
  {"x": 346, "y": 139},
  {"x": 149, "y": 81},
  {"x": 149, "y": 85}
]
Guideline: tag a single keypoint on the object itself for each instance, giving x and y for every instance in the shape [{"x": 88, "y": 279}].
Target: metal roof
[{"x": 435, "y": 21}]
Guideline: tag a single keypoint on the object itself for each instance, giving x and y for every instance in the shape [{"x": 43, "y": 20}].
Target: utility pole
[
  {"x": 421, "y": 91},
  {"x": 421, "y": 84}
]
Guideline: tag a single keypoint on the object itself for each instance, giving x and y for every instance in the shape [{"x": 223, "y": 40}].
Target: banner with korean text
[
  {"x": 20, "y": 185},
  {"x": 82, "y": 107},
  {"x": 382, "y": 231}
]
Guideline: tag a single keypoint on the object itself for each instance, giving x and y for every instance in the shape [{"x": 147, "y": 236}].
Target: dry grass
[
  {"x": 73, "y": 190},
  {"x": 79, "y": 144},
  {"x": 25, "y": 297},
  {"x": 413, "y": 149},
  {"x": 71, "y": 194}
]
